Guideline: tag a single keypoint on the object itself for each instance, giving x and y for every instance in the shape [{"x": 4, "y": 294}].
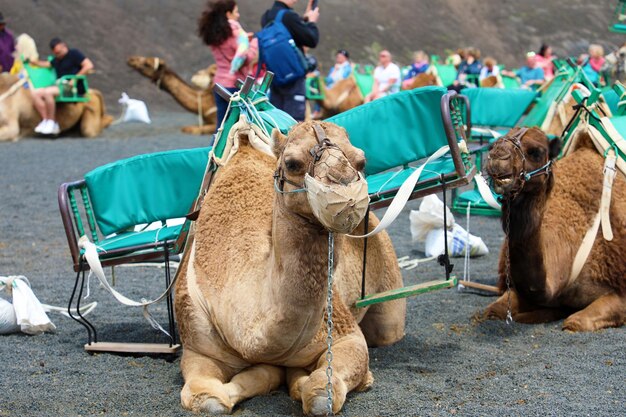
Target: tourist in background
[
  {"x": 219, "y": 28},
  {"x": 468, "y": 71},
  {"x": 544, "y": 60},
  {"x": 531, "y": 76},
  {"x": 386, "y": 77},
  {"x": 341, "y": 70},
  {"x": 291, "y": 98},
  {"x": 420, "y": 65},
  {"x": 7, "y": 46}
]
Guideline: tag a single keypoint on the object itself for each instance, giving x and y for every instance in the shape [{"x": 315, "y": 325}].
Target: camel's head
[
  {"x": 319, "y": 175},
  {"x": 423, "y": 79},
  {"x": 522, "y": 160},
  {"x": 151, "y": 67}
]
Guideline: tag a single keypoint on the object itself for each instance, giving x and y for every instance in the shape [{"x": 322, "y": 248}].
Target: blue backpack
[{"x": 279, "y": 53}]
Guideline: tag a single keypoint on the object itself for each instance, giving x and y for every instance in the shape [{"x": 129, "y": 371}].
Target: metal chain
[
  {"x": 329, "y": 324},
  {"x": 509, "y": 315}
]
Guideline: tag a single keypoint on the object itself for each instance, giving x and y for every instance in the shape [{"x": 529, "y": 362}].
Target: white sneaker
[
  {"x": 54, "y": 128},
  {"x": 46, "y": 129},
  {"x": 41, "y": 126}
]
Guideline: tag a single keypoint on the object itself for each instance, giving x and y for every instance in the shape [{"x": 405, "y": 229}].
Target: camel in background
[
  {"x": 18, "y": 116},
  {"x": 547, "y": 215},
  {"x": 196, "y": 100}
]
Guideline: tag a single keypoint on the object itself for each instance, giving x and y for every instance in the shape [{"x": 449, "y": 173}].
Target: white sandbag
[
  {"x": 29, "y": 313},
  {"x": 8, "y": 321},
  {"x": 429, "y": 217},
  {"x": 457, "y": 243},
  {"x": 133, "y": 110}
]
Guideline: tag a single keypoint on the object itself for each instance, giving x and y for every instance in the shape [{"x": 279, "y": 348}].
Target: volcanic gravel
[{"x": 447, "y": 364}]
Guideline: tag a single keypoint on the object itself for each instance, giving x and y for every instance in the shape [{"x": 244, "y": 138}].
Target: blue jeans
[{"x": 222, "y": 106}]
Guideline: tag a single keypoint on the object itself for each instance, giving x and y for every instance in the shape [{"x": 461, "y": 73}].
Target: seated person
[
  {"x": 531, "y": 75},
  {"x": 490, "y": 74},
  {"x": 66, "y": 62},
  {"x": 468, "y": 71},
  {"x": 419, "y": 66},
  {"x": 596, "y": 61},
  {"x": 544, "y": 60},
  {"x": 341, "y": 70},
  {"x": 386, "y": 77}
]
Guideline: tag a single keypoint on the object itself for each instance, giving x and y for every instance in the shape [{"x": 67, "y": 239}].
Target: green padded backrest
[
  {"x": 497, "y": 106},
  {"x": 146, "y": 188},
  {"x": 397, "y": 129},
  {"x": 41, "y": 77},
  {"x": 611, "y": 98},
  {"x": 510, "y": 82},
  {"x": 447, "y": 73},
  {"x": 560, "y": 83}
]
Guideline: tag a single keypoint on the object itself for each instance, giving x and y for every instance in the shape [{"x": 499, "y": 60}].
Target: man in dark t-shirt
[{"x": 66, "y": 62}]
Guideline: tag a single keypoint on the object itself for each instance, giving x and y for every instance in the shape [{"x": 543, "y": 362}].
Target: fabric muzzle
[{"x": 340, "y": 208}]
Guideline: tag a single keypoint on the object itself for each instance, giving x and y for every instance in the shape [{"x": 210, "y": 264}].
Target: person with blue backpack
[{"x": 281, "y": 43}]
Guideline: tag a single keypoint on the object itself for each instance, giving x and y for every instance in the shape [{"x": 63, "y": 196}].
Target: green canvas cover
[
  {"x": 41, "y": 77},
  {"x": 364, "y": 78},
  {"x": 497, "y": 106},
  {"x": 447, "y": 73},
  {"x": 559, "y": 86},
  {"x": 510, "y": 82},
  {"x": 391, "y": 180},
  {"x": 397, "y": 129},
  {"x": 611, "y": 98},
  {"x": 169, "y": 182}
]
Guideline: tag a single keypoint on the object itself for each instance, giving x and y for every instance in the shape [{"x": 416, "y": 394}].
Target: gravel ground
[{"x": 446, "y": 364}]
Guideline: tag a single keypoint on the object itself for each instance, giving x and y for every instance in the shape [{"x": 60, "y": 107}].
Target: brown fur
[
  {"x": 344, "y": 95},
  {"x": 491, "y": 81},
  {"x": 423, "y": 80},
  {"x": 18, "y": 116},
  {"x": 260, "y": 264},
  {"x": 187, "y": 96},
  {"x": 548, "y": 219}
]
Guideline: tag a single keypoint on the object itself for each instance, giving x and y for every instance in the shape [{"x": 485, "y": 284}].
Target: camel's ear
[
  {"x": 278, "y": 142},
  {"x": 554, "y": 148}
]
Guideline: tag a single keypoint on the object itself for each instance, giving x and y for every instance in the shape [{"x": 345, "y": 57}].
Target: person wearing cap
[
  {"x": 531, "y": 75},
  {"x": 341, "y": 70},
  {"x": 66, "y": 61},
  {"x": 7, "y": 46}
]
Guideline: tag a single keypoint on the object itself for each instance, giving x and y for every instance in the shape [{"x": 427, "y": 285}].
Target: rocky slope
[{"x": 111, "y": 30}]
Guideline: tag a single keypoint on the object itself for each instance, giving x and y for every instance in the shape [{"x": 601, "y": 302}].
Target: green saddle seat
[
  {"x": 476, "y": 202},
  {"x": 137, "y": 238}
]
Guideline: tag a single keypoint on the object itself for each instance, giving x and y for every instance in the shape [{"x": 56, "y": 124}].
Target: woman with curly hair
[{"x": 219, "y": 28}]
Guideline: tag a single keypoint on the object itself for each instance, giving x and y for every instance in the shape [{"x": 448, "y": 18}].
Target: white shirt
[{"x": 384, "y": 75}]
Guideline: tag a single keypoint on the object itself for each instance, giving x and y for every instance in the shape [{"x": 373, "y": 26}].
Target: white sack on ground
[
  {"x": 29, "y": 313},
  {"x": 133, "y": 110},
  {"x": 427, "y": 226}
]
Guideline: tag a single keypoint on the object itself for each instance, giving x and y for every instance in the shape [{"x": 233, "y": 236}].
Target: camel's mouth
[{"x": 502, "y": 183}]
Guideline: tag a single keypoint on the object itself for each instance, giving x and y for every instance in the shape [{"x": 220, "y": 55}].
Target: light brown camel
[
  {"x": 18, "y": 116},
  {"x": 547, "y": 216},
  {"x": 422, "y": 80},
  {"x": 342, "y": 96},
  {"x": 250, "y": 303},
  {"x": 192, "y": 99}
]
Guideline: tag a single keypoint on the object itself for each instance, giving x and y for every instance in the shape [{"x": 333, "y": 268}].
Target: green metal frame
[
  {"x": 620, "y": 16},
  {"x": 314, "y": 89},
  {"x": 40, "y": 77}
]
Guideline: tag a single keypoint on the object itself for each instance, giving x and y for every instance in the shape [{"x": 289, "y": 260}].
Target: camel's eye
[
  {"x": 293, "y": 165},
  {"x": 536, "y": 154}
]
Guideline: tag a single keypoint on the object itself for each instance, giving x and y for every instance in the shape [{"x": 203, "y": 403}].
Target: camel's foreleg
[
  {"x": 350, "y": 367},
  {"x": 606, "y": 311},
  {"x": 521, "y": 311},
  {"x": 215, "y": 388}
]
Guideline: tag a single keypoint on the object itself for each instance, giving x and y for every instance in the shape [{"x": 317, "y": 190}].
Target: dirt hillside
[{"x": 109, "y": 31}]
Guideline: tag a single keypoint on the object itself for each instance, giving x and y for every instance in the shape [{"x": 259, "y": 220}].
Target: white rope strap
[
  {"x": 401, "y": 198},
  {"x": 13, "y": 89},
  {"x": 485, "y": 192},
  {"x": 92, "y": 258},
  {"x": 602, "y": 217}
]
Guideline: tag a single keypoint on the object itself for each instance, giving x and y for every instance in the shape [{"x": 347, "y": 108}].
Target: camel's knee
[{"x": 383, "y": 324}]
